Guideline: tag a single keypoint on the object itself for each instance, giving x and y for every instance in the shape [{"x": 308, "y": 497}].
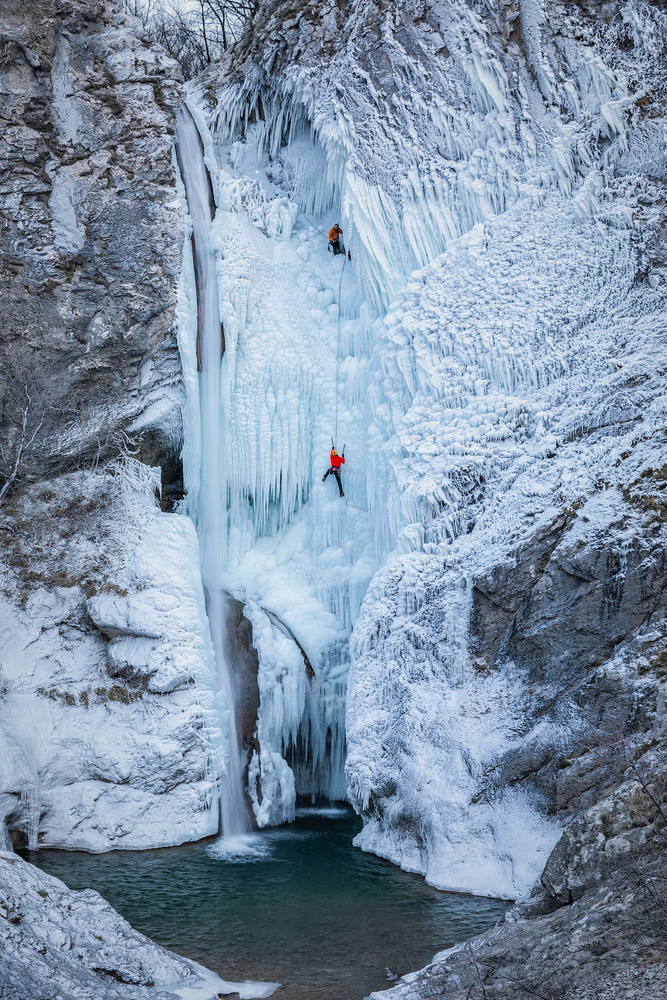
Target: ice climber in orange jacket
[
  {"x": 335, "y": 234},
  {"x": 336, "y": 462}
]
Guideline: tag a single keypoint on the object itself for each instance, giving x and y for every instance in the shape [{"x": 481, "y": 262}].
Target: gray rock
[
  {"x": 584, "y": 853},
  {"x": 589, "y": 949},
  {"x": 565, "y": 604},
  {"x": 91, "y": 235}
]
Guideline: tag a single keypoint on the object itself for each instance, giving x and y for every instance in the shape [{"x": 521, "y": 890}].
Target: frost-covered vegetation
[{"x": 194, "y": 32}]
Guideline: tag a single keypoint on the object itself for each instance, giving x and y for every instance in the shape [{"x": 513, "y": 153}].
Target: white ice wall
[
  {"x": 500, "y": 403},
  {"x": 451, "y": 126},
  {"x": 293, "y": 549},
  {"x": 501, "y": 399}
]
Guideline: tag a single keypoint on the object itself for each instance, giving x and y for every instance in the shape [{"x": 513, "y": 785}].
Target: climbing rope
[
  {"x": 340, "y": 282},
  {"x": 309, "y": 222}
]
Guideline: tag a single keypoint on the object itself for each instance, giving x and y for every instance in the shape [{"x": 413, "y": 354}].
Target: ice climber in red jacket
[{"x": 336, "y": 462}]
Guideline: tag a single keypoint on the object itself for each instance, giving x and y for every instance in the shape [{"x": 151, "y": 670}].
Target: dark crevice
[{"x": 286, "y": 630}]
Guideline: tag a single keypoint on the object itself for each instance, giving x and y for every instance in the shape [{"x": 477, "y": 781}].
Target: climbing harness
[{"x": 340, "y": 282}]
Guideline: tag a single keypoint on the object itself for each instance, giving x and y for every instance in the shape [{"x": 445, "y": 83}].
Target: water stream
[
  {"x": 212, "y": 506},
  {"x": 297, "y": 905}
]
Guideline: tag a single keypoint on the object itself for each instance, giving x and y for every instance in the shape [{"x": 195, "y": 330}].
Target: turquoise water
[{"x": 297, "y": 905}]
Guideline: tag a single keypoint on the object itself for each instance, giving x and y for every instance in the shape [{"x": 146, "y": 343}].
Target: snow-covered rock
[
  {"x": 59, "y": 943},
  {"x": 500, "y": 426},
  {"x": 110, "y": 728}
]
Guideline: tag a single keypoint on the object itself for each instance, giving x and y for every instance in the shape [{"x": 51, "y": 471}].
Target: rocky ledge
[{"x": 608, "y": 945}]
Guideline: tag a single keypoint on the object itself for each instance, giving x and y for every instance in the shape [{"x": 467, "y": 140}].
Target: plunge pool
[{"x": 298, "y": 905}]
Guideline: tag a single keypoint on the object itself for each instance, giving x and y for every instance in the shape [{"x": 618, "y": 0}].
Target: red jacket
[{"x": 337, "y": 460}]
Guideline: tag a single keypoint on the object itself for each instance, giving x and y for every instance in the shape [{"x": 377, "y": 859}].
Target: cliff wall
[{"x": 107, "y": 686}]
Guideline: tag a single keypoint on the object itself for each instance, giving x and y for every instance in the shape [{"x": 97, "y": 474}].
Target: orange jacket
[
  {"x": 337, "y": 460},
  {"x": 335, "y": 233}
]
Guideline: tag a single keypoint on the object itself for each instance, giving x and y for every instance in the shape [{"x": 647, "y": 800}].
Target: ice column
[{"x": 212, "y": 508}]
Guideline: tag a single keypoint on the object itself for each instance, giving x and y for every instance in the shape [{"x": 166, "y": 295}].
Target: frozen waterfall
[
  {"x": 210, "y": 515},
  {"x": 297, "y": 342}
]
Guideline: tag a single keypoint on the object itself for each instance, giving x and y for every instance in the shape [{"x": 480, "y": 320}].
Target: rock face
[
  {"x": 91, "y": 237},
  {"x": 108, "y": 727},
  {"x": 243, "y": 663},
  {"x": 607, "y": 945}
]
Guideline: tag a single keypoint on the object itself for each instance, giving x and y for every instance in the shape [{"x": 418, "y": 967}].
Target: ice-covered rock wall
[
  {"x": 517, "y": 409},
  {"x": 520, "y": 555},
  {"x": 435, "y": 117},
  {"x": 108, "y": 728},
  {"x": 499, "y": 173}
]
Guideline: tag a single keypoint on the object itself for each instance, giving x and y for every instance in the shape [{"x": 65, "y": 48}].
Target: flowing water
[
  {"x": 211, "y": 512},
  {"x": 297, "y": 905}
]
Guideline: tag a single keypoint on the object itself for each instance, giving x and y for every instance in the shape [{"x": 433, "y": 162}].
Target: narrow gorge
[{"x": 308, "y": 741}]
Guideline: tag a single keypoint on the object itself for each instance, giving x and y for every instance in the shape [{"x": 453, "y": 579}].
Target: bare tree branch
[
  {"x": 479, "y": 975},
  {"x": 29, "y": 391},
  {"x": 658, "y": 805},
  {"x": 194, "y": 32}
]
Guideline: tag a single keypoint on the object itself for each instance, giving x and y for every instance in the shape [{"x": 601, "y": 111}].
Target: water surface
[{"x": 296, "y": 905}]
